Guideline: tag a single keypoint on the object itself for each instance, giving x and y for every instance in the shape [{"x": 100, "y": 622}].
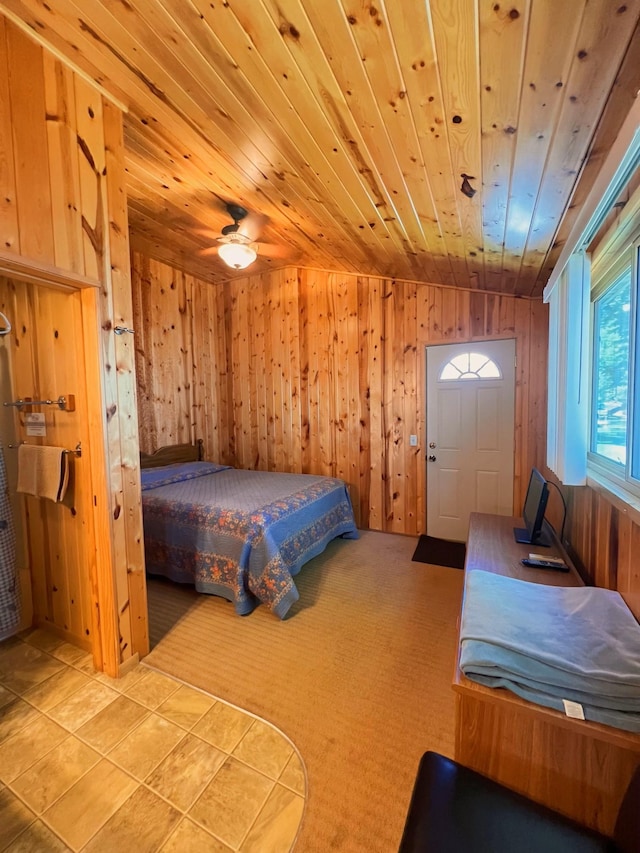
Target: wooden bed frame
[{"x": 172, "y": 453}]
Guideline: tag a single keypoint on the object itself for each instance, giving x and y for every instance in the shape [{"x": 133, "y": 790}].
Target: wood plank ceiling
[{"x": 347, "y": 128}]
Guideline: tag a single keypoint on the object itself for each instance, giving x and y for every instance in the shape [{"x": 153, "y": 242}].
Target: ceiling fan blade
[
  {"x": 252, "y": 225},
  {"x": 273, "y": 250}
]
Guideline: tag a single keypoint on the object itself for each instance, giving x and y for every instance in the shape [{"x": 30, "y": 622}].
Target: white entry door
[{"x": 470, "y": 434}]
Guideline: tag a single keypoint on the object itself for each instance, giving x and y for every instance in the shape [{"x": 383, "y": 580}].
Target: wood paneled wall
[
  {"x": 604, "y": 537},
  {"x": 63, "y": 219},
  {"x": 310, "y": 371},
  {"x": 47, "y": 361}
]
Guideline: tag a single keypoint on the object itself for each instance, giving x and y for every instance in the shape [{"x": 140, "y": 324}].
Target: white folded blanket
[{"x": 43, "y": 471}]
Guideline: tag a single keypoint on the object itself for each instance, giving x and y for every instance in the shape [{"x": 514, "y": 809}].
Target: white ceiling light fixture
[
  {"x": 237, "y": 249},
  {"x": 237, "y": 253}
]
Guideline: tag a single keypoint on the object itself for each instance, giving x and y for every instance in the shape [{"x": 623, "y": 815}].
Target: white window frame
[{"x": 570, "y": 339}]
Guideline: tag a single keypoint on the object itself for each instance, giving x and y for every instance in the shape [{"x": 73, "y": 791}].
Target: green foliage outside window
[{"x": 611, "y": 374}]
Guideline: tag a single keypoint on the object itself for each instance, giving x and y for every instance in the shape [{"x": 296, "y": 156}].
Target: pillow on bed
[{"x": 153, "y": 478}]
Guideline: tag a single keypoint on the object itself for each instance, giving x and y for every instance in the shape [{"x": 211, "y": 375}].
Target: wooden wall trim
[{"x": 28, "y": 269}]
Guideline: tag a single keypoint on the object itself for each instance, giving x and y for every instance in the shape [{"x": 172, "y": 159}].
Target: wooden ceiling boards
[{"x": 444, "y": 141}]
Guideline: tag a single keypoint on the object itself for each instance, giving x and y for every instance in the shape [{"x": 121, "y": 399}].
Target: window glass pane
[
  {"x": 611, "y": 370},
  {"x": 470, "y": 365},
  {"x": 489, "y": 370},
  {"x": 635, "y": 380}
]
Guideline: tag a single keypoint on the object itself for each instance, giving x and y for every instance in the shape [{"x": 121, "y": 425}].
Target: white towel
[{"x": 43, "y": 471}]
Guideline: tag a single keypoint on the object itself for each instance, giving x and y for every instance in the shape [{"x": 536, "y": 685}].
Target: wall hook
[
  {"x": 7, "y": 327},
  {"x": 121, "y": 330}
]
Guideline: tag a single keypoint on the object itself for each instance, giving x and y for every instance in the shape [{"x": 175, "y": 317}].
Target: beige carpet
[{"x": 358, "y": 676}]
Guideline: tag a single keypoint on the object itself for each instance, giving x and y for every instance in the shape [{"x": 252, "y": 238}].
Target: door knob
[
  {"x": 432, "y": 458},
  {"x": 432, "y": 444}
]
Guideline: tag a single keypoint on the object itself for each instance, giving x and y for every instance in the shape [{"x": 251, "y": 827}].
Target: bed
[{"x": 243, "y": 535}]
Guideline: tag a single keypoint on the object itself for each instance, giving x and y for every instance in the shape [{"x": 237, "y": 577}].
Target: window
[
  {"x": 593, "y": 409},
  {"x": 610, "y": 396},
  {"x": 470, "y": 365},
  {"x": 613, "y": 444}
]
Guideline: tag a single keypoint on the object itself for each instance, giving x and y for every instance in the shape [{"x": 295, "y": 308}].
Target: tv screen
[{"x": 535, "y": 504}]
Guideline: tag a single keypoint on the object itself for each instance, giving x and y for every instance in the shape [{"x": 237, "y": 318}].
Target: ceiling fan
[{"x": 238, "y": 241}]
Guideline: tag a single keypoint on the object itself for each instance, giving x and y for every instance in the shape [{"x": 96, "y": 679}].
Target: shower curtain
[{"x": 9, "y": 585}]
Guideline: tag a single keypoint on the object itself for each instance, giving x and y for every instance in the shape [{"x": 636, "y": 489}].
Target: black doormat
[{"x": 440, "y": 552}]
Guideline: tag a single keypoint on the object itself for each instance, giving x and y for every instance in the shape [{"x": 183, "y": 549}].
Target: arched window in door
[{"x": 470, "y": 365}]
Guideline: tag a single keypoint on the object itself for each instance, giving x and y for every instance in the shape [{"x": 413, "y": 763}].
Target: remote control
[
  {"x": 547, "y": 558},
  {"x": 545, "y": 564}
]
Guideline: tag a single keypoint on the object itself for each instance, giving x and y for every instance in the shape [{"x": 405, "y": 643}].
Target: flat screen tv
[{"x": 535, "y": 504}]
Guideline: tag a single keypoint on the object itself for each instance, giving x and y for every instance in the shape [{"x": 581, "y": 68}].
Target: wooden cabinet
[{"x": 576, "y": 767}]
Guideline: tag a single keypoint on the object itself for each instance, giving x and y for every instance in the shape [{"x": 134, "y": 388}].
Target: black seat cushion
[{"x": 456, "y": 810}]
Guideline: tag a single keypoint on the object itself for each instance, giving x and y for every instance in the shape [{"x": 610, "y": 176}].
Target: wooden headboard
[{"x": 172, "y": 453}]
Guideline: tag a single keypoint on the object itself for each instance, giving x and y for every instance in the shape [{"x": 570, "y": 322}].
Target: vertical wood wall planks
[
  {"x": 629, "y": 571},
  {"x": 413, "y": 375},
  {"x": 353, "y": 414},
  {"x": 239, "y": 367},
  {"x": 30, "y": 154},
  {"x": 8, "y": 209},
  {"x": 524, "y": 365},
  {"x": 350, "y": 374},
  {"x": 47, "y": 355},
  {"x": 310, "y": 294},
  {"x": 326, "y": 405},
  {"x": 132, "y": 610},
  {"x": 538, "y": 378},
  {"x": 64, "y": 208},
  {"x": 223, "y": 374},
  {"x": 292, "y": 356},
  {"x": 338, "y": 345},
  {"x": 373, "y": 510},
  {"x": 66, "y": 205},
  {"x": 255, "y": 447},
  {"x": 324, "y": 373},
  {"x": 92, "y": 168},
  {"x": 103, "y": 587},
  {"x": 90, "y": 118}
]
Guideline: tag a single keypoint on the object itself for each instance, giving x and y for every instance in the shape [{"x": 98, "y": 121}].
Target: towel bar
[
  {"x": 65, "y": 404},
  {"x": 77, "y": 451}
]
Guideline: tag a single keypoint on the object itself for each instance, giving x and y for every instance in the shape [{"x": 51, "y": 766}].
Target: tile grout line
[
  {"x": 186, "y": 730},
  {"x": 151, "y": 711},
  {"x": 244, "y": 711}
]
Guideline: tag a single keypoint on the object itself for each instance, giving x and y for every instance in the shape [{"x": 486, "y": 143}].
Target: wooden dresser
[{"x": 576, "y": 767}]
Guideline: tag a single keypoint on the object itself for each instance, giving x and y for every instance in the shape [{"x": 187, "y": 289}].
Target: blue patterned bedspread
[{"x": 240, "y": 534}]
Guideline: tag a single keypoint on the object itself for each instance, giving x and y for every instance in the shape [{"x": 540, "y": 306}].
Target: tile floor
[{"x": 144, "y": 763}]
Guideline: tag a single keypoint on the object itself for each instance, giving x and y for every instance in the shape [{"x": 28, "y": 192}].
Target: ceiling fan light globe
[{"x": 237, "y": 255}]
